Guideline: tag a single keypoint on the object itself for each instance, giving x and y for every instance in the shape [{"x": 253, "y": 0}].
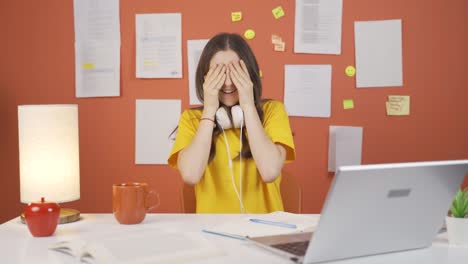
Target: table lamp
[{"x": 49, "y": 156}]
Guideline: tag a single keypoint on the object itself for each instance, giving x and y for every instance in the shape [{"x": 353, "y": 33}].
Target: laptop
[{"x": 374, "y": 209}]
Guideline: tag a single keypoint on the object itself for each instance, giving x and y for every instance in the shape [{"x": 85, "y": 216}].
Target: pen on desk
[
  {"x": 268, "y": 222},
  {"x": 224, "y": 234}
]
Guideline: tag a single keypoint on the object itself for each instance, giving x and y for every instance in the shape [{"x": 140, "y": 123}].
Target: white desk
[{"x": 18, "y": 246}]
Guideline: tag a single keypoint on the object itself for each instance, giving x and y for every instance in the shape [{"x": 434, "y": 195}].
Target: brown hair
[{"x": 234, "y": 42}]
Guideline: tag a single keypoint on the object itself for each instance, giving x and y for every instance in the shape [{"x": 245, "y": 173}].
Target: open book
[
  {"x": 276, "y": 223},
  {"x": 139, "y": 246}
]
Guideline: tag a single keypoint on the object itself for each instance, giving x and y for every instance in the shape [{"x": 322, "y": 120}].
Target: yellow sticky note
[
  {"x": 393, "y": 108},
  {"x": 236, "y": 16},
  {"x": 249, "y": 34},
  {"x": 398, "y": 105},
  {"x": 348, "y": 104},
  {"x": 398, "y": 98},
  {"x": 278, "y": 12},
  {"x": 148, "y": 63},
  {"x": 88, "y": 66},
  {"x": 260, "y": 73},
  {"x": 279, "y": 46},
  {"x": 350, "y": 71},
  {"x": 275, "y": 39}
]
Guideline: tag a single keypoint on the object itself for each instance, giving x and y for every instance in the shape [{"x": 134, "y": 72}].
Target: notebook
[
  {"x": 266, "y": 224},
  {"x": 374, "y": 209}
]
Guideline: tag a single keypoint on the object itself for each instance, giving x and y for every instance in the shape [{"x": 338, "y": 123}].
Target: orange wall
[{"x": 37, "y": 67}]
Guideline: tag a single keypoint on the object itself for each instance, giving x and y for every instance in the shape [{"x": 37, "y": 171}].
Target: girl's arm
[
  {"x": 268, "y": 156},
  {"x": 193, "y": 159}
]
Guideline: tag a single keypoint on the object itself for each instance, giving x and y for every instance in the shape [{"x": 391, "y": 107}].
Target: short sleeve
[
  {"x": 276, "y": 124},
  {"x": 185, "y": 132}
]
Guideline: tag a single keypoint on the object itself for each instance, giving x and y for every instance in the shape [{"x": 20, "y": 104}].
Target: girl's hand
[
  {"x": 214, "y": 81},
  {"x": 241, "y": 79}
]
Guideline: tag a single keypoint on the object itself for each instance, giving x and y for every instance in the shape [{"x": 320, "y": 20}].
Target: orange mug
[{"x": 129, "y": 202}]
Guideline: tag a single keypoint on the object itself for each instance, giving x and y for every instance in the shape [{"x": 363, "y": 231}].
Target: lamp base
[{"x": 67, "y": 215}]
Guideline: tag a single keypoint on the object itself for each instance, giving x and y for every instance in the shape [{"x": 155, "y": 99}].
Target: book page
[
  {"x": 73, "y": 248},
  {"x": 141, "y": 246}
]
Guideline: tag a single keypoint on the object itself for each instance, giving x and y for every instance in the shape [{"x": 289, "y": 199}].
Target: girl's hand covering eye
[
  {"x": 239, "y": 75},
  {"x": 214, "y": 81}
]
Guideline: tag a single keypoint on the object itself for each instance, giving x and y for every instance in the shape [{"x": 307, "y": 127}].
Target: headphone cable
[{"x": 231, "y": 171}]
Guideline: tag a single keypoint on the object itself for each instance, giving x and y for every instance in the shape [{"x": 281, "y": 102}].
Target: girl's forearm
[
  {"x": 268, "y": 156},
  {"x": 193, "y": 159}
]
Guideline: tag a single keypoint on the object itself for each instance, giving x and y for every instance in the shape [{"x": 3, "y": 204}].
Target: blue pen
[{"x": 267, "y": 222}]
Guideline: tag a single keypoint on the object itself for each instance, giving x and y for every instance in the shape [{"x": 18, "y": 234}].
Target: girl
[{"x": 234, "y": 169}]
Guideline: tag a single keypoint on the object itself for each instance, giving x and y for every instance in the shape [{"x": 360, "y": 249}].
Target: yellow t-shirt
[{"x": 215, "y": 191}]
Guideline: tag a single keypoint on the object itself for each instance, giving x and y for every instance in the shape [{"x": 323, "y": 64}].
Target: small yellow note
[
  {"x": 279, "y": 46},
  {"x": 260, "y": 73},
  {"x": 249, "y": 34},
  {"x": 350, "y": 71},
  {"x": 348, "y": 104},
  {"x": 236, "y": 16},
  {"x": 398, "y": 105},
  {"x": 275, "y": 39},
  {"x": 278, "y": 12},
  {"x": 148, "y": 63},
  {"x": 88, "y": 66}
]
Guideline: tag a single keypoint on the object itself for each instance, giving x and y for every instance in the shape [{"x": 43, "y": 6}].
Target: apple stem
[{"x": 42, "y": 199}]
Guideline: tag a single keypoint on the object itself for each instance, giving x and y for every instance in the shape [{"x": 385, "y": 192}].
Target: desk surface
[{"x": 18, "y": 246}]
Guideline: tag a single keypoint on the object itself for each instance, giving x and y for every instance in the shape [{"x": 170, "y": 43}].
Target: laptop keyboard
[{"x": 296, "y": 248}]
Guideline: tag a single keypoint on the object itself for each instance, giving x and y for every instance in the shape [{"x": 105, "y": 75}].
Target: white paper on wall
[
  {"x": 307, "y": 90},
  {"x": 97, "y": 48},
  {"x": 317, "y": 27},
  {"x": 378, "y": 47},
  {"x": 344, "y": 147},
  {"x": 158, "y": 45},
  {"x": 194, "y": 51},
  {"x": 155, "y": 121}
]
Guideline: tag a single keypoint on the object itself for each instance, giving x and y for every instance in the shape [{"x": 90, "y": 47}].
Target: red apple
[{"x": 42, "y": 218}]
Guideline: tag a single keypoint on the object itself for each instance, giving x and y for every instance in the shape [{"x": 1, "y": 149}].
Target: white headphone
[
  {"x": 223, "y": 119},
  {"x": 225, "y": 123}
]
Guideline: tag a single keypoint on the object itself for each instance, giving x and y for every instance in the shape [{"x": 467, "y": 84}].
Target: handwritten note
[
  {"x": 398, "y": 105},
  {"x": 279, "y": 47},
  {"x": 236, "y": 16},
  {"x": 278, "y": 44}
]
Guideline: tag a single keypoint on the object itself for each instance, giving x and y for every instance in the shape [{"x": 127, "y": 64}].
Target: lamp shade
[{"x": 49, "y": 153}]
